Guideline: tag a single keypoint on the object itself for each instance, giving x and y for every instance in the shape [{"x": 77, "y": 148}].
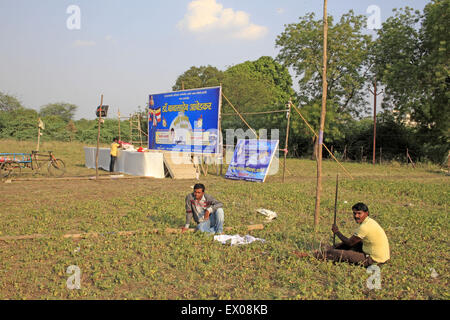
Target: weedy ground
[{"x": 410, "y": 204}]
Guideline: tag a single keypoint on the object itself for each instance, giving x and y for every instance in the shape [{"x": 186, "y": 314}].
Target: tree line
[
  {"x": 17, "y": 122},
  {"x": 409, "y": 60}
]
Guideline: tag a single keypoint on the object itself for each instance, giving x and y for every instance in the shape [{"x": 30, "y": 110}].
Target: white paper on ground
[
  {"x": 270, "y": 215},
  {"x": 236, "y": 239}
]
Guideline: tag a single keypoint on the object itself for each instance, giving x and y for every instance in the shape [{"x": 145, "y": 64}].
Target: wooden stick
[
  {"x": 322, "y": 119},
  {"x": 25, "y": 237},
  {"x": 118, "y": 116},
  {"x": 407, "y": 163},
  {"x": 220, "y": 135},
  {"x": 253, "y": 113},
  {"x": 335, "y": 207},
  {"x": 120, "y": 233},
  {"x": 411, "y": 160},
  {"x": 285, "y": 168},
  {"x": 139, "y": 129},
  {"x": 39, "y": 134},
  {"x": 98, "y": 138},
  {"x": 287, "y": 138},
  {"x": 101, "y": 176},
  {"x": 131, "y": 129}
]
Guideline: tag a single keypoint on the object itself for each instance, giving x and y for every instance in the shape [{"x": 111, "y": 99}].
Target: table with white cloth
[{"x": 146, "y": 164}]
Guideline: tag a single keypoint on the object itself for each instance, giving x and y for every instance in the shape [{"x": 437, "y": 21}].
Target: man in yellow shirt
[
  {"x": 368, "y": 245},
  {"x": 114, "y": 147}
]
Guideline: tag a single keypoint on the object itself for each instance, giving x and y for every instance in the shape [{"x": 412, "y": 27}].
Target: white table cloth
[{"x": 147, "y": 164}]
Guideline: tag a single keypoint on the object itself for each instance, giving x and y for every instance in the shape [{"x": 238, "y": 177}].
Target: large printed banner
[
  {"x": 252, "y": 159},
  {"x": 185, "y": 121}
]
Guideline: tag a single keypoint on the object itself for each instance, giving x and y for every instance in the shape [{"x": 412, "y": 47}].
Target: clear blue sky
[{"x": 129, "y": 49}]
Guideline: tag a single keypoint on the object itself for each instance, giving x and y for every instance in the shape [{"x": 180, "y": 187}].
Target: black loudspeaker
[{"x": 104, "y": 111}]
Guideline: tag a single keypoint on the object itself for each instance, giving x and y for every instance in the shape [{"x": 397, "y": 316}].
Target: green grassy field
[{"x": 410, "y": 204}]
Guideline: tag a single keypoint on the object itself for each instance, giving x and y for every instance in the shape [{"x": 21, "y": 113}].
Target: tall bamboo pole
[
  {"x": 374, "y": 119},
  {"x": 39, "y": 134},
  {"x": 322, "y": 117},
  {"x": 98, "y": 138},
  {"x": 219, "y": 136},
  {"x": 140, "y": 131},
  {"x": 375, "y": 94},
  {"x": 287, "y": 138},
  {"x": 118, "y": 116},
  {"x": 335, "y": 207}
]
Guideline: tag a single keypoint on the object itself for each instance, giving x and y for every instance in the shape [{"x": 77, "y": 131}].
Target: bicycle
[
  {"x": 11, "y": 164},
  {"x": 55, "y": 167}
]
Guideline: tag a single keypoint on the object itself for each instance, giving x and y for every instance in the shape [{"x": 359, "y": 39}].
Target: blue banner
[
  {"x": 251, "y": 160},
  {"x": 185, "y": 121}
]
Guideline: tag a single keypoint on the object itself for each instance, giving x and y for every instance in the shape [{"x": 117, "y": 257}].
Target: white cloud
[
  {"x": 81, "y": 43},
  {"x": 206, "y": 16}
]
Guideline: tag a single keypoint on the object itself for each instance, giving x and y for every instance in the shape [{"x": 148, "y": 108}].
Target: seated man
[
  {"x": 368, "y": 245},
  {"x": 206, "y": 211}
]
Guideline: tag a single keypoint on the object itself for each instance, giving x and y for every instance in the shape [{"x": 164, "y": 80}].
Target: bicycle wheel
[
  {"x": 11, "y": 170},
  {"x": 56, "y": 168},
  {"x": 4, "y": 170}
]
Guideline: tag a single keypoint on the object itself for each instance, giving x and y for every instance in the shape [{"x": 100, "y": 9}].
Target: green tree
[
  {"x": 9, "y": 103},
  {"x": 251, "y": 86},
  {"x": 262, "y": 85},
  {"x": 72, "y": 130},
  {"x": 64, "y": 110},
  {"x": 301, "y": 48},
  {"x": 55, "y": 128},
  {"x": 199, "y": 77},
  {"x": 348, "y": 72},
  {"x": 412, "y": 61},
  {"x": 265, "y": 71},
  {"x": 87, "y": 130},
  {"x": 21, "y": 124}
]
